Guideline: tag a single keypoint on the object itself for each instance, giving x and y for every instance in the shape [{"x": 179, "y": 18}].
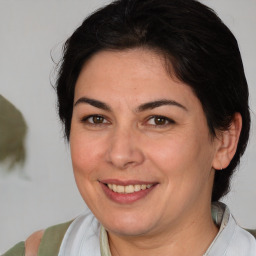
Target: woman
[{"x": 154, "y": 101}]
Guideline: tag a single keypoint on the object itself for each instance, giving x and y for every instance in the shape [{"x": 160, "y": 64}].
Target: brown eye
[
  {"x": 159, "y": 121},
  {"x": 97, "y": 119}
]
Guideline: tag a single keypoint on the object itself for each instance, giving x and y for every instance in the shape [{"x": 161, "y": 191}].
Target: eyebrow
[
  {"x": 159, "y": 103},
  {"x": 94, "y": 103},
  {"x": 141, "y": 108}
]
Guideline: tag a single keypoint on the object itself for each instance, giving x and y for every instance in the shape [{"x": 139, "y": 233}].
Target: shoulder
[
  {"x": 252, "y": 231},
  {"x": 241, "y": 243},
  {"x": 232, "y": 240},
  {"x": 32, "y": 243},
  {"x": 17, "y": 250},
  {"x": 52, "y": 239},
  {"x": 43, "y": 242},
  {"x": 28, "y": 248}
]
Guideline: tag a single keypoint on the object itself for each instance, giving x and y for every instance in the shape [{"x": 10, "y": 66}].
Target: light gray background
[{"x": 43, "y": 192}]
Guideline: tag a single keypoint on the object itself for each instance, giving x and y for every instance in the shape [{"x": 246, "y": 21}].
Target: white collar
[
  {"x": 86, "y": 237},
  {"x": 82, "y": 237}
]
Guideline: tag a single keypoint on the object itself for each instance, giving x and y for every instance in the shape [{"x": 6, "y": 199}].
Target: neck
[{"x": 193, "y": 237}]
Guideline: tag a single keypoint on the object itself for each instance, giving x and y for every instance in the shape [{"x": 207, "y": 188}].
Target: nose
[{"x": 124, "y": 149}]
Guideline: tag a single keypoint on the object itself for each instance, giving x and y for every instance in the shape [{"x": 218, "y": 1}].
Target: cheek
[
  {"x": 170, "y": 152},
  {"x": 185, "y": 167},
  {"x": 85, "y": 153},
  {"x": 85, "y": 156},
  {"x": 181, "y": 159}
]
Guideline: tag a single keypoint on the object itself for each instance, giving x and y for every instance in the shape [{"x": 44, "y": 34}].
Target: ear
[{"x": 227, "y": 143}]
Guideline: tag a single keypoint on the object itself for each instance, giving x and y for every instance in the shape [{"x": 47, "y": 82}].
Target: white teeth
[
  {"x": 114, "y": 187},
  {"x": 128, "y": 189},
  {"x": 137, "y": 188},
  {"x": 143, "y": 187},
  {"x": 120, "y": 189}
]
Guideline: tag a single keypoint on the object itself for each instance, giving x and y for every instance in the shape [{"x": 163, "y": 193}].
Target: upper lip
[{"x": 126, "y": 182}]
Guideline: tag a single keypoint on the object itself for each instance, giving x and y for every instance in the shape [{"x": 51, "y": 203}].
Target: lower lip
[{"x": 126, "y": 198}]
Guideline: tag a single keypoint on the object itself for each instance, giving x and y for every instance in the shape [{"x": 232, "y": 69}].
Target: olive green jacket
[{"x": 50, "y": 243}]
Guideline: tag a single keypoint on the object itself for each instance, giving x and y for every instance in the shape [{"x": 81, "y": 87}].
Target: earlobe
[{"x": 227, "y": 143}]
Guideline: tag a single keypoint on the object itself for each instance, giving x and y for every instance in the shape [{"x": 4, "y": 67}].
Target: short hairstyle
[{"x": 201, "y": 50}]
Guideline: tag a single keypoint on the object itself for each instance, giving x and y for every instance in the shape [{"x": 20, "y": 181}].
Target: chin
[
  {"x": 129, "y": 231},
  {"x": 129, "y": 226}
]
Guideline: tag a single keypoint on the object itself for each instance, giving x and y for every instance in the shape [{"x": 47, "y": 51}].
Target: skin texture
[
  {"x": 127, "y": 143},
  {"x": 32, "y": 243}
]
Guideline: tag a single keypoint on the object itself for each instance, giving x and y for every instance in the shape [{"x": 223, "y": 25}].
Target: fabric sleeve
[
  {"x": 17, "y": 250},
  {"x": 52, "y": 239}
]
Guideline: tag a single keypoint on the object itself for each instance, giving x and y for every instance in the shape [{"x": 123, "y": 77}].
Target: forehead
[
  {"x": 135, "y": 75},
  {"x": 138, "y": 62}
]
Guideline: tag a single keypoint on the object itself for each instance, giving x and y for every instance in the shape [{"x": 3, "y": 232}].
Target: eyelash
[{"x": 167, "y": 121}]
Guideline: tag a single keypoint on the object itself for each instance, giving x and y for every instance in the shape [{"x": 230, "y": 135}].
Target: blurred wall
[{"x": 42, "y": 192}]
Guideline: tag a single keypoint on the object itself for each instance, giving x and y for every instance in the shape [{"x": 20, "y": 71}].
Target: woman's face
[{"x": 141, "y": 150}]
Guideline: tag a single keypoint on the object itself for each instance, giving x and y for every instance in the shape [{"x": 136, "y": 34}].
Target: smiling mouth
[
  {"x": 127, "y": 192},
  {"x": 129, "y": 188}
]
